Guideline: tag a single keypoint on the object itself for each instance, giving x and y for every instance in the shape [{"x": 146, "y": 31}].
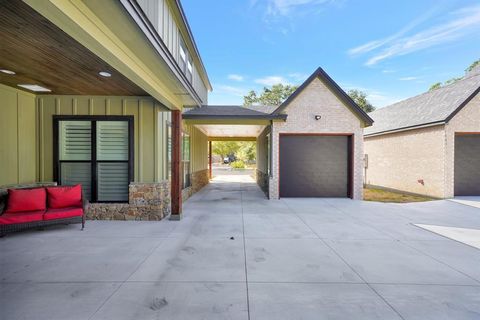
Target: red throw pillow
[
  {"x": 64, "y": 196},
  {"x": 26, "y": 200}
]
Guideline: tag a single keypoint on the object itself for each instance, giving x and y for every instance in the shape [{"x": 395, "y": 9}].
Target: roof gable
[
  {"x": 333, "y": 87},
  {"x": 433, "y": 107}
]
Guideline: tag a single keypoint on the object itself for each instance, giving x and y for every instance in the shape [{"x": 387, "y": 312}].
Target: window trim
[
  {"x": 188, "y": 162},
  {"x": 131, "y": 148}
]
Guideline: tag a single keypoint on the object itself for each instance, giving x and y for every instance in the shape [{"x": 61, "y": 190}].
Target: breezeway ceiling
[{"x": 231, "y": 130}]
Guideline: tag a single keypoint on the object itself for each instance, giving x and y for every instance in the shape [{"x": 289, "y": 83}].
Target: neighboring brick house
[
  {"x": 428, "y": 144},
  {"x": 310, "y": 146}
]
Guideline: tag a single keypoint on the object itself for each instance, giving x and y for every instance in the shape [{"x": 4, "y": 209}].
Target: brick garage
[
  {"x": 428, "y": 144},
  {"x": 320, "y": 109}
]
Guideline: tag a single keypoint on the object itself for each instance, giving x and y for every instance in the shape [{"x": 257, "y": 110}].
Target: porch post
[
  {"x": 210, "y": 158},
  {"x": 176, "y": 188}
]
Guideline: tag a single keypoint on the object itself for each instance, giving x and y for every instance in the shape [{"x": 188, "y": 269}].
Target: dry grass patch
[{"x": 379, "y": 195}]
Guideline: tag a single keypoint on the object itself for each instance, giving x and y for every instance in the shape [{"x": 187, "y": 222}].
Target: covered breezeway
[{"x": 237, "y": 123}]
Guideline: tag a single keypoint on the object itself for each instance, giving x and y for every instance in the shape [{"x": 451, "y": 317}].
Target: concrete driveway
[{"x": 236, "y": 255}]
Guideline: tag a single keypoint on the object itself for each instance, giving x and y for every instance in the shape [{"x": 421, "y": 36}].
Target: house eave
[
  {"x": 137, "y": 14},
  {"x": 420, "y": 126}
]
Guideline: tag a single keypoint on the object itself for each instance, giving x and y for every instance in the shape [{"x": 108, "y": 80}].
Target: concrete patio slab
[
  {"x": 297, "y": 260},
  {"x": 469, "y": 201},
  {"x": 379, "y": 261},
  {"x": 278, "y": 301},
  {"x": 288, "y": 259},
  {"x": 76, "y": 301},
  {"x": 272, "y": 225},
  {"x": 433, "y": 302},
  {"x": 177, "y": 301},
  {"x": 467, "y": 236},
  {"x": 194, "y": 259}
]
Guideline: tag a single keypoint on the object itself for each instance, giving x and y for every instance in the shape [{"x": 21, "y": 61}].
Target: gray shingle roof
[
  {"x": 435, "y": 106},
  {"x": 227, "y": 112}
]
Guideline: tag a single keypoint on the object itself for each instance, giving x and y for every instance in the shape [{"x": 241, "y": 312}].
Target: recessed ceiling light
[
  {"x": 105, "y": 74},
  {"x": 7, "y": 71},
  {"x": 34, "y": 87}
]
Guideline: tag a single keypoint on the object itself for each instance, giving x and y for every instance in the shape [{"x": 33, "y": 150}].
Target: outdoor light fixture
[
  {"x": 34, "y": 87},
  {"x": 6, "y": 71},
  {"x": 317, "y": 117},
  {"x": 105, "y": 74}
]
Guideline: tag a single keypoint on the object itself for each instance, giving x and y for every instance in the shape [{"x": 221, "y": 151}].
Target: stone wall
[
  {"x": 262, "y": 181},
  {"x": 199, "y": 180},
  {"x": 147, "y": 201}
]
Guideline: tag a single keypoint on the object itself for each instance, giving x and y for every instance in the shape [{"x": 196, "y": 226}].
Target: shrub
[{"x": 239, "y": 164}]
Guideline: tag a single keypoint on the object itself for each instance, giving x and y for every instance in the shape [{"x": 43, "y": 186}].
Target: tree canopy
[
  {"x": 360, "y": 98},
  {"x": 243, "y": 150},
  {"x": 438, "y": 85},
  {"x": 273, "y": 96}
]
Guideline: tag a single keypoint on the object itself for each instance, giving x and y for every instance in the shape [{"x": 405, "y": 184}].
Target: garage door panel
[
  {"x": 314, "y": 166},
  {"x": 467, "y": 165}
]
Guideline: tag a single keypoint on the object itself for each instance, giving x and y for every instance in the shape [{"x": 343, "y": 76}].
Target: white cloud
[
  {"x": 231, "y": 90},
  {"x": 298, "y": 76},
  {"x": 372, "y": 45},
  {"x": 271, "y": 80},
  {"x": 465, "y": 21},
  {"x": 285, "y": 7},
  {"x": 407, "y": 78},
  {"x": 235, "y": 77},
  {"x": 388, "y": 71}
]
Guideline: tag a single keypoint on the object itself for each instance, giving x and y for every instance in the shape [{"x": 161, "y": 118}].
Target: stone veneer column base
[
  {"x": 147, "y": 201},
  {"x": 199, "y": 180},
  {"x": 262, "y": 180}
]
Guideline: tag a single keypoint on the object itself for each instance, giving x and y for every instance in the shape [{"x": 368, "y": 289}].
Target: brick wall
[
  {"x": 400, "y": 160},
  {"x": 317, "y": 99},
  {"x": 411, "y": 161},
  {"x": 467, "y": 120}
]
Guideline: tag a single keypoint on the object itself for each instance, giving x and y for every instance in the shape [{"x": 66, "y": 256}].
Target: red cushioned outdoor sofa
[{"x": 25, "y": 208}]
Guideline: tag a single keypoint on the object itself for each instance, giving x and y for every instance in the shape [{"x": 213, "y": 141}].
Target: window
[
  {"x": 186, "y": 63},
  {"x": 96, "y": 152},
  {"x": 189, "y": 70},
  {"x": 169, "y": 150},
  {"x": 186, "y": 160},
  {"x": 183, "y": 57}
]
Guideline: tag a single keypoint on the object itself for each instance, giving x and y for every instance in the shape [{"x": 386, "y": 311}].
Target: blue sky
[{"x": 390, "y": 49}]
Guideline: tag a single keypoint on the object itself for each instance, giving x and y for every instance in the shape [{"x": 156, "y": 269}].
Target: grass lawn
[{"x": 370, "y": 194}]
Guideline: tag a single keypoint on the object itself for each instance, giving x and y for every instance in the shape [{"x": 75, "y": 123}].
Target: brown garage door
[
  {"x": 314, "y": 166},
  {"x": 467, "y": 165}
]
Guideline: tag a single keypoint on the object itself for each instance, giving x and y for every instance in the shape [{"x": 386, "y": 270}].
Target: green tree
[
  {"x": 435, "y": 86},
  {"x": 473, "y": 65},
  {"x": 438, "y": 85},
  {"x": 360, "y": 98},
  {"x": 247, "y": 151},
  {"x": 273, "y": 96},
  {"x": 225, "y": 148}
]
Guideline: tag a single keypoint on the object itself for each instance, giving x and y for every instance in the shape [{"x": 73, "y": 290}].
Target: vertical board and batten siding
[
  {"x": 148, "y": 132},
  {"x": 18, "y": 135},
  {"x": 199, "y": 148},
  {"x": 160, "y": 15}
]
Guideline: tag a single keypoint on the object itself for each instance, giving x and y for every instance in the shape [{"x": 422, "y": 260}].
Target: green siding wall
[
  {"x": 26, "y": 133},
  {"x": 148, "y": 131},
  {"x": 17, "y": 137},
  {"x": 199, "y": 148}
]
